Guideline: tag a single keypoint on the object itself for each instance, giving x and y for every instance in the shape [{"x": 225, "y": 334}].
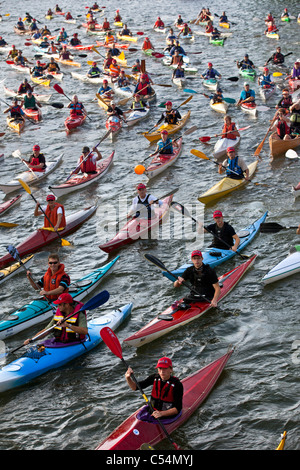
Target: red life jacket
[
  {"x": 106, "y": 25},
  {"x": 66, "y": 335},
  {"x": 162, "y": 395},
  {"x": 88, "y": 166},
  {"x": 36, "y": 161},
  {"x": 52, "y": 281},
  {"x": 142, "y": 89},
  {"x": 52, "y": 215},
  {"x": 229, "y": 129},
  {"x": 147, "y": 45},
  {"x": 282, "y": 129}
]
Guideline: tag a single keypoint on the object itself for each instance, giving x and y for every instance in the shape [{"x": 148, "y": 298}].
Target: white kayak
[
  {"x": 39, "y": 97},
  {"x": 30, "y": 177},
  {"x": 85, "y": 78},
  {"x": 219, "y": 107},
  {"x": 186, "y": 67},
  {"x": 266, "y": 92},
  {"x": 287, "y": 267},
  {"x": 136, "y": 116},
  {"x": 179, "y": 81},
  {"x": 221, "y": 146}
]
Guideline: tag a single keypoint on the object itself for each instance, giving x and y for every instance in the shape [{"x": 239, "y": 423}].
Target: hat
[
  {"x": 50, "y": 197},
  {"x": 105, "y": 81},
  {"x": 196, "y": 253},
  {"x": 217, "y": 214},
  {"x": 246, "y": 84},
  {"x": 64, "y": 299},
  {"x": 85, "y": 149},
  {"x": 141, "y": 186},
  {"x": 266, "y": 69},
  {"x": 143, "y": 75},
  {"x": 230, "y": 149},
  {"x": 164, "y": 363},
  {"x": 209, "y": 64},
  {"x": 164, "y": 132},
  {"x": 35, "y": 147},
  {"x": 246, "y": 55},
  {"x": 168, "y": 103}
]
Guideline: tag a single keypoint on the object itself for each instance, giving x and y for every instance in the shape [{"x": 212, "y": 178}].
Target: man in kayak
[
  {"x": 105, "y": 90},
  {"x": 114, "y": 110},
  {"x": 125, "y": 31},
  {"x": 203, "y": 279},
  {"x": 29, "y": 101},
  {"x": 266, "y": 80},
  {"x": 170, "y": 115},
  {"x": 178, "y": 72},
  {"x": 24, "y": 87},
  {"x": 15, "y": 110},
  {"x": 138, "y": 104},
  {"x": 75, "y": 41},
  {"x": 37, "y": 70},
  {"x": 234, "y": 166},
  {"x": 210, "y": 72},
  {"x": 12, "y": 53},
  {"x": 247, "y": 95},
  {"x": 246, "y": 63},
  {"x": 159, "y": 23},
  {"x": 281, "y": 127},
  {"x": 222, "y": 231},
  {"x": 76, "y": 106},
  {"x": 94, "y": 71},
  {"x": 277, "y": 58},
  {"x": 54, "y": 211},
  {"x": 65, "y": 54},
  {"x": 74, "y": 329},
  {"x": 52, "y": 66},
  {"x": 54, "y": 282},
  {"x": 142, "y": 204},
  {"x": 88, "y": 161},
  {"x": 37, "y": 161},
  {"x": 217, "y": 97},
  {"x": 176, "y": 59},
  {"x": 167, "y": 391},
  {"x": 20, "y": 59},
  {"x": 165, "y": 145},
  {"x": 143, "y": 87},
  {"x": 178, "y": 48}
]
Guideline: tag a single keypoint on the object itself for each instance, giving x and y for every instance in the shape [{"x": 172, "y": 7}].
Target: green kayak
[{"x": 217, "y": 42}]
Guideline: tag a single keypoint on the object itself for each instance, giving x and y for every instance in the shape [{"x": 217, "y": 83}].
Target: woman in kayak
[
  {"x": 54, "y": 282},
  {"x": 76, "y": 106},
  {"x": 234, "y": 166},
  {"x": 285, "y": 101},
  {"x": 204, "y": 281},
  {"x": 54, "y": 211},
  {"x": 74, "y": 329},
  {"x": 37, "y": 161},
  {"x": 229, "y": 130},
  {"x": 167, "y": 391},
  {"x": 281, "y": 128}
]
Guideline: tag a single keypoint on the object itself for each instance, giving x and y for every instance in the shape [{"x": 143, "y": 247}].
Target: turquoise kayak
[
  {"x": 216, "y": 256},
  {"x": 248, "y": 73},
  {"x": 38, "y": 360},
  {"x": 39, "y": 310}
]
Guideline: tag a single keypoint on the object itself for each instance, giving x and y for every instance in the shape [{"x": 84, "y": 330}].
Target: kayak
[
  {"x": 126, "y": 91},
  {"x": 266, "y": 92},
  {"x": 39, "y": 97},
  {"x": 179, "y": 81},
  {"x": 30, "y": 177},
  {"x": 171, "y": 128},
  {"x": 137, "y": 228},
  {"x": 160, "y": 29},
  {"x": 39, "y": 310},
  {"x": 217, "y": 41},
  {"x": 16, "y": 268},
  {"x": 294, "y": 84},
  {"x": 216, "y": 256},
  {"x": 220, "y": 148},
  {"x": 118, "y": 45},
  {"x": 273, "y": 35},
  {"x": 137, "y": 115},
  {"x": 114, "y": 124},
  {"x": 49, "y": 355},
  {"x": 247, "y": 73},
  {"x": 134, "y": 432},
  {"x": 5, "y": 206},
  {"x": 222, "y": 35},
  {"x": 73, "y": 121},
  {"x": 34, "y": 114},
  {"x": 80, "y": 47},
  {"x": 226, "y": 186},
  {"x": 296, "y": 190},
  {"x": 123, "y": 37},
  {"x": 16, "y": 124},
  {"x": 20, "y": 68},
  {"x": 249, "y": 108},
  {"x": 211, "y": 83},
  {"x": 224, "y": 24},
  {"x": 80, "y": 181},
  {"x": 44, "y": 81},
  {"x": 173, "y": 318},
  {"x": 85, "y": 78},
  {"x": 160, "y": 162},
  {"x": 286, "y": 18},
  {"x": 219, "y": 107},
  {"x": 68, "y": 62},
  {"x": 279, "y": 147},
  {"x": 21, "y": 31},
  {"x": 43, "y": 237},
  {"x": 287, "y": 267},
  {"x": 57, "y": 75}
]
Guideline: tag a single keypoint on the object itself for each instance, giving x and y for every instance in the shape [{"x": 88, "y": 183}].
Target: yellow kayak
[
  {"x": 10, "y": 271},
  {"x": 226, "y": 186},
  {"x": 127, "y": 38},
  {"x": 272, "y": 35},
  {"x": 282, "y": 442},
  {"x": 118, "y": 24},
  {"x": 68, "y": 62},
  {"x": 171, "y": 128},
  {"x": 16, "y": 124},
  {"x": 41, "y": 80},
  {"x": 224, "y": 25}
]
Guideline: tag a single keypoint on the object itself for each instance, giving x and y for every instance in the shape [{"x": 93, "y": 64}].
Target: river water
[{"x": 257, "y": 396}]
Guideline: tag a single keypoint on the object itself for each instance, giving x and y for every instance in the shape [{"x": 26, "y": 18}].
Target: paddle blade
[
  {"x": 96, "y": 301},
  {"x": 25, "y": 185},
  {"x": 155, "y": 261},
  {"x": 65, "y": 242},
  {"x": 199, "y": 154},
  {"x": 8, "y": 224},
  {"x": 58, "y": 89},
  {"x": 291, "y": 154},
  {"x": 204, "y": 139},
  {"x": 111, "y": 341}
]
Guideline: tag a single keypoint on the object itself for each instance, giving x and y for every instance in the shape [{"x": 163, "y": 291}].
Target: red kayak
[
  {"x": 114, "y": 124},
  {"x": 73, "y": 121},
  {"x": 134, "y": 432},
  {"x": 5, "y": 206},
  {"x": 80, "y": 47},
  {"x": 42, "y": 237},
  {"x": 172, "y": 318},
  {"x": 34, "y": 114}
]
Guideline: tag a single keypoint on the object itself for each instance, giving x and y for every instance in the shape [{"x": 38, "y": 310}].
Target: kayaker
[
  {"x": 281, "y": 127},
  {"x": 49, "y": 12},
  {"x": 229, "y": 130},
  {"x": 55, "y": 213},
  {"x": 142, "y": 204},
  {"x": 94, "y": 71},
  {"x": 165, "y": 145},
  {"x": 109, "y": 38},
  {"x": 215, "y": 34},
  {"x": 91, "y": 24},
  {"x": 114, "y": 110},
  {"x": 147, "y": 44},
  {"x": 246, "y": 63},
  {"x": 60, "y": 38},
  {"x": 285, "y": 13},
  {"x": 217, "y": 97},
  {"x": 122, "y": 80},
  {"x": 65, "y": 54},
  {"x": 276, "y": 58},
  {"x": 138, "y": 104},
  {"x": 68, "y": 16},
  {"x": 114, "y": 69},
  {"x": 125, "y": 31},
  {"x": 185, "y": 30},
  {"x": 247, "y": 95},
  {"x": 204, "y": 280},
  {"x": 222, "y": 231},
  {"x": 20, "y": 25},
  {"x": 295, "y": 72},
  {"x": 76, "y": 106},
  {"x": 285, "y": 101},
  {"x": 170, "y": 115},
  {"x": 159, "y": 23},
  {"x": 179, "y": 21},
  {"x": 52, "y": 66},
  {"x": 143, "y": 88},
  {"x": 209, "y": 27},
  {"x": 234, "y": 166},
  {"x": 15, "y": 110},
  {"x": 54, "y": 282},
  {"x": 74, "y": 329},
  {"x": 118, "y": 17},
  {"x": 57, "y": 9},
  {"x": 295, "y": 119},
  {"x": 33, "y": 26},
  {"x": 266, "y": 79},
  {"x": 12, "y": 53},
  {"x": 115, "y": 52},
  {"x": 88, "y": 161},
  {"x": 20, "y": 59},
  {"x": 75, "y": 41},
  {"x": 45, "y": 43},
  {"x": 176, "y": 58},
  {"x": 223, "y": 18},
  {"x": 52, "y": 48},
  {"x": 36, "y": 35},
  {"x": 105, "y": 90},
  {"x": 106, "y": 25},
  {"x": 24, "y": 87},
  {"x": 136, "y": 68},
  {"x": 178, "y": 72},
  {"x": 167, "y": 391},
  {"x": 37, "y": 70},
  {"x": 2, "y": 42},
  {"x": 171, "y": 36},
  {"x": 108, "y": 60},
  {"x": 269, "y": 17},
  {"x": 37, "y": 161},
  {"x": 178, "y": 48},
  {"x": 210, "y": 72},
  {"x": 45, "y": 31},
  {"x": 271, "y": 27},
  {"x": 30, "y": 102}
]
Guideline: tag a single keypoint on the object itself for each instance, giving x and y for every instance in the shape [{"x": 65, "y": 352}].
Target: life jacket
[
  {"x": 179, "y": 73},
  {"x": 171, "y": 117},
  {"x": 162, "y": 395},
  {"x": 52, "y": 215},
  {"x": 266, "y": 80},
  {"x": 66, "y": 335},
  {"x": 147, "y": 45},
  {"x": 107, "y": 62},
  {"x": 65, "y": 55},
  {"x": 278, "y": 58},
  {"x": 76, "y": 108},
  {"x": 52, "y": 48},
  {"x": 52, "y": 281},
  {"x": 165, "y": 147},
  {"x": 282, "y": 129},
  {"x": 286, "y": 102},
  {"x": 114, "y": 70},
  {"x": 109, "y": 39},
  {"x": 13, "y": 53},
  {"x": 146, "y": 204},
  {"x": 296, "y": 73},
  {"x": 230, "y": 130},
  {"x": 16, "y": 111},
  {"x": 106, "y": 25},
  {"x": 52, "y": 67},
  {"x": 36, "y": 161},
  {"x": 137, "y": 104},
  {"x": 210, "y": 73},
  {"x": 209, "y": 29},
  {"x": 271, "y": 28},
  {"x": 233, "y": 165},
  {"x": 159, "y": 24},
  {"x": 87, "y": 166},
  {"x": 142, "y": 89}
]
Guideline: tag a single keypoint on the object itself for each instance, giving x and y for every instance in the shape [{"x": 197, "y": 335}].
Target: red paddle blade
[
  {"x": 139, "y": 33},
  {"x": 158, "y": 55},
  {"x": 111, "y": 341},
  {"x": 204, "y": 139},
  {"x": 58, "y": 89}
]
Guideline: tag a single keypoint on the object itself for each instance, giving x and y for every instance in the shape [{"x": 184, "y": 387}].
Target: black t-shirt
[
  {"x": 202, "y": 280},
  {"x": 177, "y": 392},
  {"x": 225, "y": 233}
]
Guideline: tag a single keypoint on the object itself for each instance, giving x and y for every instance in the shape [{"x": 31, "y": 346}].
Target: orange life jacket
[
  {"x": 230, "y": 130},
  {"x": 114, "y": 70},
  {"x": 87, "y": 166},
  {"x": 52, "y": 281},
  {"x": 52, "y": 215}
]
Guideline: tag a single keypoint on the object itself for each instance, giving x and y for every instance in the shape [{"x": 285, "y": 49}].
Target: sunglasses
[{"x": 53, "y": 262}]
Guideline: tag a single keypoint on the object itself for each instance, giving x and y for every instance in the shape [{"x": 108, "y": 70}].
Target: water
[{"x": 257, "y": 396}]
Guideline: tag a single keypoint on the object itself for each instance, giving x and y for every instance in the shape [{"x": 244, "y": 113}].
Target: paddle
[
  {"x": 28, "y": 190},
  {"x": 23, "y": 115},
  {"x": 12, "y": 250},
  {"x": 207, "y": 138},
  {"x": 91, "y": 304},
  {"x": 112, "y": 342},
  {"x": 97, "y": 145},
  {"x": 202, "y": 155},
  {"x": 284, "y": 55},
  {"x": 8, "y": 225},
  {"x": 259, "y": 148},
  {"x": 61, "y": 92},
  {"x": 228, "y": 100},
  {"x": 273, "y": 227},
  {"x": 17, "y": 154},
  {"x": 180, "y": 208}
]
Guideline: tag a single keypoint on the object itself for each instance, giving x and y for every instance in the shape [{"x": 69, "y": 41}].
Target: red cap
[
  {"x": 36, "y": 147},
  {"x": 230, "y": 149},
  {"x": 144, "y": 75},
  {"x": 209, "y": 64},
  {"x": 50, "y": 197},
  {"x": 64, "y": 299},
  {"x": 196, "y": 253},
  {"x": 141, "y": 186},
  {"x": 164, "y": 132},
  {"x": 164, "y": 363},
  {"x": 168, "y": 103},
  {"x": 217, "y": 214}
]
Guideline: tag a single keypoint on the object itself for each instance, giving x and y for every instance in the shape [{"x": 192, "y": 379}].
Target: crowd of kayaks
[{"x": 133, "y": 432}]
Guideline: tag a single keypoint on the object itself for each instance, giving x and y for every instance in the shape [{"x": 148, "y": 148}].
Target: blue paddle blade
[
  {"x": 188, "y": 90},
  {"x": 96, "y": 301},
  {"x": 12, "y": 251}
]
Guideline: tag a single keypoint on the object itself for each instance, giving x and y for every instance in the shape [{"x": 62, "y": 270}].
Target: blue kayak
[
  {"x": 48, "y": 355},
  {"x": 39, "y": 310},
  {"x": 216, "y": 256}
]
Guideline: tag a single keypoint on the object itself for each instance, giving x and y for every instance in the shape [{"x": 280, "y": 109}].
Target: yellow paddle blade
[
  {"x": 95, "y": 50},
  {"x": 25, "y": 185},
  {"x": 8, "y": 224},
  {"x": 277, "y": 74},
  {"x": 121, "y": 56},
  {"x": 64, "y": 242},
  {"x": 199, "y": 154}
]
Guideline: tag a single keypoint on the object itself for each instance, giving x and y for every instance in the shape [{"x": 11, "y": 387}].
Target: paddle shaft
[
  {"x": 259, "y": 148},
  {"x": 183, "y": 103}
]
